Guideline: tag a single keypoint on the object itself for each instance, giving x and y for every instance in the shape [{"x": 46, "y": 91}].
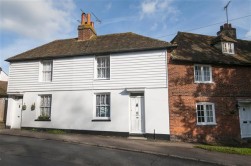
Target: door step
[{"x": 137, "y": 137}]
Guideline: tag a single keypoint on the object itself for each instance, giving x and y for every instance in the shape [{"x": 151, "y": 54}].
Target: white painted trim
[
  {"x": 211, "y": 75},
  {"x": 214, "y": 115},
  {"x": 135, "y": 90},
  {"x": 95, "y": 68},
  {"x": 227, "y": 52},
  {"x": 94, "y": 107},
  {"x": 40, "y": 77}
]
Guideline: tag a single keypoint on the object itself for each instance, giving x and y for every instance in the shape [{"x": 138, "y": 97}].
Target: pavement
[{"x": 162, "y": 148}]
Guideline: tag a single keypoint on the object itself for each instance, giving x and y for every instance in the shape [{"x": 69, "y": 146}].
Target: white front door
[
  {"x": 16, "y": 121},
  {"x": 245, "y": 120},
  {"x": 137, "y": 114}
]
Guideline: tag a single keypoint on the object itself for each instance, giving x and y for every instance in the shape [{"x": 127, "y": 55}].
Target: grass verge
[{"x": 225, "y": 149}]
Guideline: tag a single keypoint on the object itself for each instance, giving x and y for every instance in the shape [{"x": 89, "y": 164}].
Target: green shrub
[{"x": 45, "y": 118}]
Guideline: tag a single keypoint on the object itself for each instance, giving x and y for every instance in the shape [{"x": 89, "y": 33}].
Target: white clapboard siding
[{"x": 128, "y": 70}]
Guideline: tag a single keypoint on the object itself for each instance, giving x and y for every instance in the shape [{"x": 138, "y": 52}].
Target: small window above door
[{"x": 136, "y": 94}]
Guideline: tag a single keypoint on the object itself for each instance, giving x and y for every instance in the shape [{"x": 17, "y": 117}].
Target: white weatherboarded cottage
[{"x": 110, "y": 84}]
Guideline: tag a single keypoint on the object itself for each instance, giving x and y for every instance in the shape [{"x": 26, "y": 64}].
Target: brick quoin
[{"x": 230, "y": 83}]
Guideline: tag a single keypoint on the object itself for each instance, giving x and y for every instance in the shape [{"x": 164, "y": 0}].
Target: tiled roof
[
  {"x": 105, "y": 44},
  {"x": 3, "y": 88},
  {"x": 197, "y": 48}
]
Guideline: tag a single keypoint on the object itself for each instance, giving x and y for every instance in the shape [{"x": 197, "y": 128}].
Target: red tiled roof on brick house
[{"x": 198, "y": 48}]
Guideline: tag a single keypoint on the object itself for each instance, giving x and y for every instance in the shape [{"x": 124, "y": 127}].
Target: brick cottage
[{"x": 209, "y": 80}]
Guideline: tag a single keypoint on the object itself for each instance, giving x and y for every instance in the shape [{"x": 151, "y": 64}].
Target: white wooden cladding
[{"x": 140, "y": 69}]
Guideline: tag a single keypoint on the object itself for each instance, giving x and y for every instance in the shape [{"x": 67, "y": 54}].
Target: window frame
[
  {"x": 204, "y": 104},
  {"x": 40, "y": 104},
  {"x": 95, "y": 117},
  {"x": 96, "y": 68},
  {"x": 202, "y": 73},
  {"x": 42, "y": 78},
  {"x": 226, "y": 48}
]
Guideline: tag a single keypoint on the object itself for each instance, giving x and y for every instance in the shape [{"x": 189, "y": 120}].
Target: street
[{"x": 22, "y": 151}]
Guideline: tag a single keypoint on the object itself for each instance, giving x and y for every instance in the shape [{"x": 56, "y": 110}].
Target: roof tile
[
  {"x": 105, "y": 44},
  {"x": 198, "y": 48}
]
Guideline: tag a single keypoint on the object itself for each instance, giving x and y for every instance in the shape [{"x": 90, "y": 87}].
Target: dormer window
[{"x": 228, "y": 48}]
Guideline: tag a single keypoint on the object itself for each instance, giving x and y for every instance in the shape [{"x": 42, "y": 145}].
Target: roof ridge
[
  {"x": 195, "y": 34},
  {"x": 133, "y": 34},
  {"x": 111, "y": 34},
  {"x": 150, "y": 38},
  {"x": 208, "y": 35}
]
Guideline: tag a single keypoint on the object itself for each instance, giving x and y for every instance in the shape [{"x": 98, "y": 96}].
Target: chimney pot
[
  {"x": 88, "y": 18},
  {"x": 83, "y": 17}
]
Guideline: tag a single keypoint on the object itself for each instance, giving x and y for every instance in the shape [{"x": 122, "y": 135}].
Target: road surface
[{"x": 22, "y": 151}]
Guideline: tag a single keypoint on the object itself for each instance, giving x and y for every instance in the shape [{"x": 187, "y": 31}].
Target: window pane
[
  {"x": 208, "y": 107},
  {"x": 202, "y": 73},
  {"x": 205, "y": 113},
  {"x": 102, "y": 73},
  {"x": 202, "y": 119},
  {"x": 107, "y": 73},
  {"x": 42, "y": 101},
  {"x": 108, "y": 99},
  {"x": 98, "y": 62},
  {"x": 45, "y": 105},
  {"x": 97, "y": 100},
  {"x": 206, "y": 74},
  {"x": 103, "y": 105},
  {"x": 198, "y": 73},
  {"x": 107, "y": 110},
  {"x": 209, "y": 119},
  {"x": 102, "y": 100},
  {"x": 202, "y": 113},
  {"x": 47, "y": 71},
  {"x": 102, "y": 111},
  {"x": 103, "y": 67}
]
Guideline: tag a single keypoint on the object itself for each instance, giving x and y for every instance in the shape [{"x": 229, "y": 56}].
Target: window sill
[
  {"x": 206, "y": 124},
  {"x": 204, "y": 82},
  {"x": 228, "y": 53},
  {"x": 48, "y": 120},
  {"x": 101, "y": 120}
]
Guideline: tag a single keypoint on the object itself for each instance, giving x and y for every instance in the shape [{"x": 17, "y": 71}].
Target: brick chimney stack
[
  {"x": 86, "y": 30},
  {"x": 227, "y": 30}
]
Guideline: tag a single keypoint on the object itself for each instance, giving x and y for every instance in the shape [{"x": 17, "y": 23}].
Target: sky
[{"x": 26, "y": 24}]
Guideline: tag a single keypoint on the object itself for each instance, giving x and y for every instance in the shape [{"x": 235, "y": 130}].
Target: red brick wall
[
  {"x": 85, "y": 33},
  {"x": 229, "y": 84}
]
